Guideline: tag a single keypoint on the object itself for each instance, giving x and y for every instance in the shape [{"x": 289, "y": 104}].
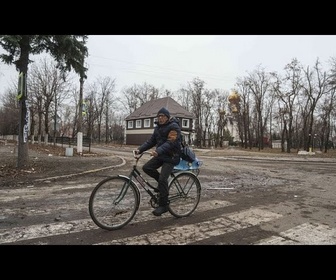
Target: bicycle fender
[
  {"x": 128, "y": 178},
  {"x": 133, "y": 183},
  {"x": 123, "y": 176}
]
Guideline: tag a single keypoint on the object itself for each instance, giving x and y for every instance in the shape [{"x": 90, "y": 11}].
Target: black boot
[
  {"x": 163, "y": 207},
  {"x": 160, "y": 210}
]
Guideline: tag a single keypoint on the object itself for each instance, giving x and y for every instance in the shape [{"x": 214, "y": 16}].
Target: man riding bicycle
[{"x": 166, "y": 138}]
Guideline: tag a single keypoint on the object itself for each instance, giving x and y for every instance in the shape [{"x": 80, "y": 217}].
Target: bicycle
[{"x": 116, "y": 199}]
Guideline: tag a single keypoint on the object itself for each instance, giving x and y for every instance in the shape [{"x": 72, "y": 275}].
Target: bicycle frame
[{"x": 136, "y": 174}]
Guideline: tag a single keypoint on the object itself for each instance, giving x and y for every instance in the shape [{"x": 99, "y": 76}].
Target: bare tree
[
  {"x": 315, "y": 85},
  {"x": 244, "y": 113},
  {"x": 135, "y": 96},
  {"x": 208, "y": 105},
  {"x": 259, "y": 84},
  {"x": 101, "y": 91},
  {"x": 146, "y": 92},
  {"x": 49, "y": 87},
  {"x": 221, "y": 113},
  {"x": 196, "y": 89},
  {"x": 327, "y": 108},
  {"x": 9, "y": 113},
  {"x": 287, "y": 90},
  {"x": 184, "y": 97}
]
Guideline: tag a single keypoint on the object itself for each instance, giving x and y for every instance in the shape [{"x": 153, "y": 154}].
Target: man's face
[{"x": 162, "y": 118}]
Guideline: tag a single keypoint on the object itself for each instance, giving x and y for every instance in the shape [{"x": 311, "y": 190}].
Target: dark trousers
[{"x": 150, "y": 168}]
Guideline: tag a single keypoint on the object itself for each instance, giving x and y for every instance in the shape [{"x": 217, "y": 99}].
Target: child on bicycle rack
[{"x": 166, "y": 138}]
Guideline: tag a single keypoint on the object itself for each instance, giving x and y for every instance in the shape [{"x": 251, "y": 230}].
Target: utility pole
[
  {"x": 80, "y": 110},
  {"x": 55, "y": 119},
  {"x": 80, "y": 118}
]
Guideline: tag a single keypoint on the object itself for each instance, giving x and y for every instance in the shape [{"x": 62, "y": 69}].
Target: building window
[
  {"x": 155, "y": 122},
  {"x": 130, "y": 124},
  {"x": 185, "y": 123},
  {"x": 138, "y": 124},
  {"x": 147, "y": 123}
]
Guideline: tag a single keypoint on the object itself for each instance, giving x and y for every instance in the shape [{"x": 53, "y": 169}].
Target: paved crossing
[{"x": 38, "y": 215}]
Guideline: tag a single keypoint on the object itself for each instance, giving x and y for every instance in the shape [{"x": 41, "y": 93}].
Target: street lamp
[
  {"x": 313, "y": 140},
  {"x": 311, "y": 149}
]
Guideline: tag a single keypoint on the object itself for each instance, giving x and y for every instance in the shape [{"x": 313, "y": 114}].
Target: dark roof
[{"x": 150, "y": 109}]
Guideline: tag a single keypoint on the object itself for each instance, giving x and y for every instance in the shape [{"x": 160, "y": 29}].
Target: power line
[{"x": 174, "y": 71}]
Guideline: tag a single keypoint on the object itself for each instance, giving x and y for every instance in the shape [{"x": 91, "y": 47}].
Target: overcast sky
[{"x": 171, "y": 61}]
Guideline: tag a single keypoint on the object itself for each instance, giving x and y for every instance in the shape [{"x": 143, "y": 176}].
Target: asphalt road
[{"x": 244, "y": 201}]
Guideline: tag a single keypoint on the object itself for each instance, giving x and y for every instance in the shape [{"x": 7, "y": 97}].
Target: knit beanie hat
[{"x": 164, "y": 111}]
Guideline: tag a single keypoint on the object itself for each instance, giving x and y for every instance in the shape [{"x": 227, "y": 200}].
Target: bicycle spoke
[
  {"x": 113, "y": 203},
  {"x": 184, "y": 194}
]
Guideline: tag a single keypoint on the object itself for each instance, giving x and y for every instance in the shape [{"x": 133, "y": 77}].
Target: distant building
[
  {"x": 276, "y": 144},
  {"x": 140, "y": 124}
]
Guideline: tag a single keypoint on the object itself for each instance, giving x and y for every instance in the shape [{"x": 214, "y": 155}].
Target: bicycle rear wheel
[
  {"x": 184, "y": 194},
  {"x": 114, "y": 202}
]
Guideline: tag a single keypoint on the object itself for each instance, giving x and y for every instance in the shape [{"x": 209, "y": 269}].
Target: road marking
[
  {"x": 34, "y": 193},
  {"x": 57, "y": 228},
  {"x": 196, "y": 232},
  {"x": 45, "y": 230},
  {"x": 304, "y": 234}
]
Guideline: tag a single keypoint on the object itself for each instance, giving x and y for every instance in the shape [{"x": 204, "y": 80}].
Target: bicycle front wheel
[
  {"x": 114, "y": 202},
  {"x": 184, "y": 194}
]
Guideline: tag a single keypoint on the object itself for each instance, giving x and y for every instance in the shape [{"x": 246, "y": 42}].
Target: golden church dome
[{"x": 234, "y": 97}]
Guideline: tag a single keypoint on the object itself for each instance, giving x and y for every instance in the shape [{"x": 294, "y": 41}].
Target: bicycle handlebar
[{"x": 138, "y": 156}]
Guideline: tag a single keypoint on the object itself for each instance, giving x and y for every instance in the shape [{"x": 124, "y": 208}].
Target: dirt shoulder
[{"x": 48, "y": 161}]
